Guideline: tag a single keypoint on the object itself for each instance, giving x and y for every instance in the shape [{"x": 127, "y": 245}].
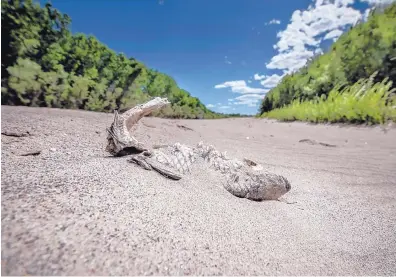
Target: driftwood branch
[
  {"x": 31, "y": 153},
  {"x": 120, "y": 141},
  {"x": 16, "y": 134},
  {"x": 314, "y": 142},
  {"x": 184, "y": 127}
]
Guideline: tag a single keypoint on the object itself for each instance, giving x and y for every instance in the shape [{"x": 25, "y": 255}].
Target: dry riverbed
[{"x": 70, "y": 209}]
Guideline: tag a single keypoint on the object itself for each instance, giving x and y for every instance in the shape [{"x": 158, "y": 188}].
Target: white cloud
[
  {"x": 344, "y": 2},
  {"x": 271, "y": 81},
  {"x": 273, "y": 21},
  {"x": 249, "y": 81},
  {"x": 333, "y": 34},
  {"x": 268, "y": 81},
  {"x": 230, "y": 84},
  {"x": 250, "y": 100},
  {"x": 325, "y": 18},
  {"x": 258, "y": 77},
  {"x": 290, "y": 60},
  {"x": 318, "y": 51},
  {"x": 240, "y": 87},
  {"x": 378, "y": 2},
  {"x": 226, "y": 60},
  {"x": 220, "y": 106},
  {"x": 366, "y": 14}
]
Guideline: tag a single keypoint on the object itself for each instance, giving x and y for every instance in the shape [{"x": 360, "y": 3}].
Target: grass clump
[{"x": 363, "y": 102}]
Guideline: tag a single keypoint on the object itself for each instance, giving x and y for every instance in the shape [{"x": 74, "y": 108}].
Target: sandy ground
[{"x": 72, "y": 210}]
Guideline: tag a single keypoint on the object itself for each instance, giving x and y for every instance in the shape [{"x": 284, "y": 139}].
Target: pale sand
[{"x": 74, "y": 211}]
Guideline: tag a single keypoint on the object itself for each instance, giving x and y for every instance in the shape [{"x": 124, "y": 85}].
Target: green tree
[{"x": 44, "y": 64}]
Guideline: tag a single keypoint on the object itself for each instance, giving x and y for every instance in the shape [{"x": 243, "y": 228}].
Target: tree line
[
  {"x": 366, "y": 49},
  {"x": 45, "y": 65}
]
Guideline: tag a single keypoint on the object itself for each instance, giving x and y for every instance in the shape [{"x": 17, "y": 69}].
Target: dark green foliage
[
  {"x": 44, "y": 65},
  {"x": 366, "y": 48}
]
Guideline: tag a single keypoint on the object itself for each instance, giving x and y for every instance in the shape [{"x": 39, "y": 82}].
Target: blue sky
[{"x": 228, "y": 53}]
